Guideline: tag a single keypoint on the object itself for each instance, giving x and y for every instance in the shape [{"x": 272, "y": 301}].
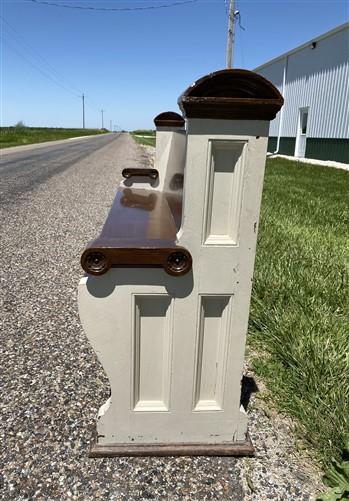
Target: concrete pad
[{"x": 313, "y": 161}]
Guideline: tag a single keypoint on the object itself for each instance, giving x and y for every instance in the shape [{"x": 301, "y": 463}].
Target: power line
[
  {"x": 49, "y": 77},
  {"x": 48, "y": 71},
  {"x": 82, "y": 7},
  {"x": 44, "y": 73},
  {"x": 92, "y": 104},
  {"x": 34, "y": 53}
]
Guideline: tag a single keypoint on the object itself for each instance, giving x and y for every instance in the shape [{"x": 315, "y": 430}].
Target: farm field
[
  {"x": 17, "y": 136},
  {"x": 146, "y": 137},
  {"x": 298, "y": 331}
]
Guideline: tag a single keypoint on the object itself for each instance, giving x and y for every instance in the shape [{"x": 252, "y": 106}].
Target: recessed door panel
[
  {"x": 152, "y": 357},
  {"x": 213, "y": 335},
  {"x": 223, "y": 195}
]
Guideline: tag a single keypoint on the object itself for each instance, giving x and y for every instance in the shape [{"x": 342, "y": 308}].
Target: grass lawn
[
  {"x": 16, "y": 136},
  {"x": 299, "y": 323},
  {"x": 146, "y": 137}
]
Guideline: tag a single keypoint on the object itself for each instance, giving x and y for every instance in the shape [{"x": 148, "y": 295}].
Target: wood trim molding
[
  {"x": 244, "y": 448},
  {"x": 231, "y": 95},
  {"x": 140, "y": 231},
  {"x": 97, "y": 258},
  {"x": 140, "y": 172},
  {"x": 169, "y": 119}
]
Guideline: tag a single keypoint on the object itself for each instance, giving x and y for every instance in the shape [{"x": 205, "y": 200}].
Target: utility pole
[
  {"x": 83, "y": 111},
  {"x": 102, "y": 111},
  {"x": 110, "y": 126},
  {"x": 231, "y": 35}
]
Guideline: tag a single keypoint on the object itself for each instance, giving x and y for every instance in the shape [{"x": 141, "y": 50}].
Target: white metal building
[{"x": 314, "y": 80}]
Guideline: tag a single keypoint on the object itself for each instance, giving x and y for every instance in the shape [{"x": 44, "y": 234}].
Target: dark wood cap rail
[
  {"x": 231, "y": 94},
  {"x": 169, "y": 119},
  {"x": 140, "y": 231}
]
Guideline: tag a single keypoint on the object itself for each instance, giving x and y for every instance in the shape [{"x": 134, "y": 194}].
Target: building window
[{"x": 304, "y": 122}]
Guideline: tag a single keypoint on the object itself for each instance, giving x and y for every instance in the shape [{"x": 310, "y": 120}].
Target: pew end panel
[{"x": 166, "y": 300}]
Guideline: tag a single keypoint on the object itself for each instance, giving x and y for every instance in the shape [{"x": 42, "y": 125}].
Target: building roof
[{"x": 304, "y": 45}]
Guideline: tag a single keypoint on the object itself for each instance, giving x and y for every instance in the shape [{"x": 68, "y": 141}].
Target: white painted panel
[
  {"x": 213, "y": 333},
  {"x": 169, "y": 156},
  {"x": 126, "y": 306},
  {"x": 223, "y": 192},
  {"x": 152, "y": 346}
]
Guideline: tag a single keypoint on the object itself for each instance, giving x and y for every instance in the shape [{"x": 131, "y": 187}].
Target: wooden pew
[
  {"x": 146, "y": 214},
  {"x": 167, "y": 314}
]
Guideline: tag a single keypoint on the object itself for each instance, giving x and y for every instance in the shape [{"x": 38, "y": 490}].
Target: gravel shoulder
[{"x": 52, "y": 384}]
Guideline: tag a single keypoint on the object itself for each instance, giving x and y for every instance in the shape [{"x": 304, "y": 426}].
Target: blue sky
[{"x": 135, "y": 64}]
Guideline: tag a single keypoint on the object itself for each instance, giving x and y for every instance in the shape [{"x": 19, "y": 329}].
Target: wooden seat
[
  {"x": 140, "y": 230},
  {"x": 142, "y": 225}
]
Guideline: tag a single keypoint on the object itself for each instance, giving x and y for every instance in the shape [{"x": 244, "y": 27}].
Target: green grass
[
  {"x": 138, "y": 137},
  {"x": 300, "y": 300},
  {"x": 16, "y": 136}
]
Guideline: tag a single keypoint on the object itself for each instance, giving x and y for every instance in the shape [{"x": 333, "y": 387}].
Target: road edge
[{"x": 33, "y": 146}]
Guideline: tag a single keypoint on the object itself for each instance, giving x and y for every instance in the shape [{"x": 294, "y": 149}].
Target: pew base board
[{"x": 240, "y": 448}]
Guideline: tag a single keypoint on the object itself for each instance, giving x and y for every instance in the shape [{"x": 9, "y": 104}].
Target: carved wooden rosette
[{"x": 176, "y": 261}]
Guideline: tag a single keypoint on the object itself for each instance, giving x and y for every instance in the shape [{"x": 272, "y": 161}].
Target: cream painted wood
[
  {"x": 169, "y": 154},
  {"x": 173, "y": 347},
  {"x": 152, "y": 332},
  {"x": 212, "y": 344},
  {"x": 167, "y": 411},
  {"x": 225, "y": 268},
  {"x": 169, "y": 160},
  {"x": 226, "y": 161}
]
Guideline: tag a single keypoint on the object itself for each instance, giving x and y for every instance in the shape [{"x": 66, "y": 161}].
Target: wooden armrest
[
  {"x": 136, "y": 172},
  {"x": 140, "y": 230}
]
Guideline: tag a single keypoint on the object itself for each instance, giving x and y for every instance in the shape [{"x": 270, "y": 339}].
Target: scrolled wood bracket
[{"x": 175, "y": 261}]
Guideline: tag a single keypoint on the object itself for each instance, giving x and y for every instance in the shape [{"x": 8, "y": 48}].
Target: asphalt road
[{"x": 20, "y": 171}]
